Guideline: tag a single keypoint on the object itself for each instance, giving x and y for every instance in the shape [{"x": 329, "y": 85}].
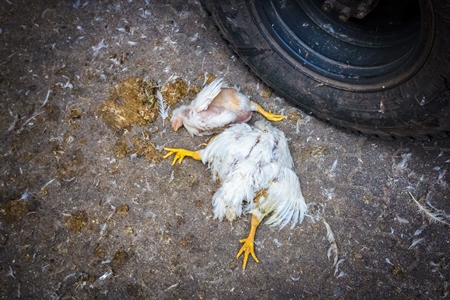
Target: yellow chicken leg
[
  {"x": 180, "y": 154},
  {"x": 269, "y": 116},
  {"x": 210, "y": 140},
  {"x": 248, "y": 247}
]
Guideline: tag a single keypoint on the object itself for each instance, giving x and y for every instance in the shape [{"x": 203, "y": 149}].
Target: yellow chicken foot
[
  {"x": 269, "y": 116},
  {"x": 180, "y": 154},
  {"x": 248, "y": 247}
]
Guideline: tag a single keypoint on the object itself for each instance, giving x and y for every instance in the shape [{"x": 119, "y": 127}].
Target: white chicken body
[
  {"x": 215, "y": 107},
  {"x": 255, "y": 169}
]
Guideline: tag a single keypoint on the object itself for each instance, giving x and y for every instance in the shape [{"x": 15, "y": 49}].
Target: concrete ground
[{"x": 90, "y": 210}]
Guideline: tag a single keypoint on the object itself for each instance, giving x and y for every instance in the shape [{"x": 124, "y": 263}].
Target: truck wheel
[{"x": 385, "y": 75}]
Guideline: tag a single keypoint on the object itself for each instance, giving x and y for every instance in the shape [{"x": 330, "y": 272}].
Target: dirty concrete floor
[{"x": 90, "y": 210}]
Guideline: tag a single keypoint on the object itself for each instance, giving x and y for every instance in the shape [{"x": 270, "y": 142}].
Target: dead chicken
[
  {"x": 255, "y": 169},
  {"x": 215, "y": 107}
]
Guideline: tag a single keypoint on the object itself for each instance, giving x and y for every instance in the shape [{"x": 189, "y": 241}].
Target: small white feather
[
  {"x": 336, "y": 269},
  {"x": 104, "y": 276},
  {"x": 430, "y": 216},
  {"x": 402, "y": 220},
  {"x": 415, "y": 242},
  {"x": 333, "y": 250},
  {"x": 333, "y": 168},
  {"x": 11, "y": 272},
  {"x": 100, "y": 45},
  {"x": 329, "y": 193},
  {"x": 277, "y": 243},
  {"x": 46, "y": 98},
  {"x": 172, "y": 286},
  {"x": 163, "y": 107},
  {"x": 403, "y": 164},
  {"x": 69, "y": 276},
  {"x": 76, "y": 5}
]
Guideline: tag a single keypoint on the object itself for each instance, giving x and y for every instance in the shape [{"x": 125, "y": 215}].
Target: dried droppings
[
  {"x": 265, "y": 92},
  {"x": 99, "y": 251},
  {"x": 194, "y": 90},
  {"x": 121, "y": 150},
  {"x": 120, "y": 257},
  {"x": 318, "y": 151},
  {"x": 131, "y": 102},
  {"x": 199, "y": 202},
  {"x": 186, "y": 241},
  {"x": 71, "y": 164},
  {"x": 174, "y": 90},
  {"x": 75, "y": 113},
  {"x": 207, "y": 78},
  {"x": 122, "y": 210},
  {"x": 398, "y": 270},
  {"x": 77, "y": 221},
  {"x": 117, "y": 59},
  {"x": 44, "y": 191},
  {"x": 294, "y": 115},
  {"x": 14, "y": 210},
  {"x": 146, "y": 148}
]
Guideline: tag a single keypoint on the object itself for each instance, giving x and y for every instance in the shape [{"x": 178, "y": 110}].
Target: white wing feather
[{"x": 207, "y": 95}]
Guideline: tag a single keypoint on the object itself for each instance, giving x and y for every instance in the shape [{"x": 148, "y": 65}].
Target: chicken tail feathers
[{"x": 290, "y": 204}]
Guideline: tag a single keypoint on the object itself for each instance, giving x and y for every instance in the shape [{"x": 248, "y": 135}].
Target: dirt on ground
[{"x": 89, "y": 209}]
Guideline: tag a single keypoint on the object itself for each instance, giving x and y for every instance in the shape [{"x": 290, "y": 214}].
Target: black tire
[{"x": 400, "y": 90}]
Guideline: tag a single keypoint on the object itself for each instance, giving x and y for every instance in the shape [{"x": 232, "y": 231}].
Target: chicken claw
[
  {"x": 269, "y": 116},
  {"x": 248, "y": 247},
  {"x": 180, "y": 154}
]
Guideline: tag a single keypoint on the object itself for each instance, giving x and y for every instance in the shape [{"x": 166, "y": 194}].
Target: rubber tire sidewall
[{"x": 419, "y": 108}]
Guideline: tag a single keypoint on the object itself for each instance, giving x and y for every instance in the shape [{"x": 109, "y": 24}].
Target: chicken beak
[{"x": 176, "y": 124}]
